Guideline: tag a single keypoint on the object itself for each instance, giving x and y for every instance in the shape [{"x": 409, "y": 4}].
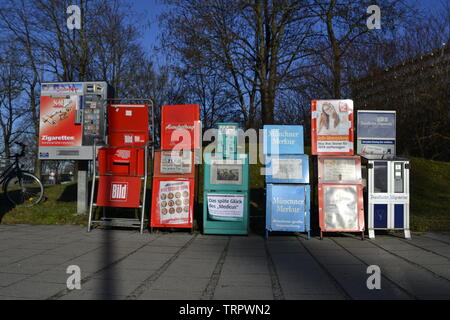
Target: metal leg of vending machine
[
  {"x": 94, "y": 179},
  {"x": 407, "y": 234},
  {"x": 144, "y": 189}
]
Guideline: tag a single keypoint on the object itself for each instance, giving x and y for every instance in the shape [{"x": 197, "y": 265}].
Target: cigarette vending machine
[
  {"x": 72, "y": 117},
  {"x": 121, "y": 166},
  {"x": 287, "y": 180},
  {"x": 341, "y": 207},
  {"x": 226, "y": 185},
  {"x": 174, "y": 180}
]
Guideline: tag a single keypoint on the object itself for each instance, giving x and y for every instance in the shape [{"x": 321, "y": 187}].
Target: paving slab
[
  {"x": 243, "y": 293},
  {"x": 154, "y": 294},
  {"x": 114, "y": 263},
  {"x": 31, "y": 290}
]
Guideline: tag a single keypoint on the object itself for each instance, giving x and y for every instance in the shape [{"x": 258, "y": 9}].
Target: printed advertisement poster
[
  {"x": 179, "y": 161},
  {"x": 287, "y": 208},
  {"x": 287, "y": 169},
  {"x": 173, "y": 204},
  {"x": 341, "y": 208},
  {"x": 226, "y": 206},
  {"x": 332, "y": 127},
  {"x": 339, "y": 170},
  {"x": 57, "y": 122},
  {"x": 376, "y": 132}
]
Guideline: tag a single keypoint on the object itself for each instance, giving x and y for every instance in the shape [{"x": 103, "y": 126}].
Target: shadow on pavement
[{"x": 5, "y": 206}]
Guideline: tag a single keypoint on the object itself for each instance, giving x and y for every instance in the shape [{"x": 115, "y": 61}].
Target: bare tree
[
  {"x": 254, "y": 45},
  {"x": 11, "y": 110},
  {"x": 342, "y": 30}
]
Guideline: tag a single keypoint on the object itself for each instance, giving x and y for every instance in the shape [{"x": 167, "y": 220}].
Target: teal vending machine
[
  {"x": 287, "y": 180},
  {"x": 226, "y": 186}
]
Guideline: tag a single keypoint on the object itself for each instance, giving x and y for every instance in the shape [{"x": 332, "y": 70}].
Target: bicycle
[{"x": 21, "y": 187}]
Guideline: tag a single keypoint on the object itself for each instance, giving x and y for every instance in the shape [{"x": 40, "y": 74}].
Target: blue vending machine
[{"x": 287, "y": 180}]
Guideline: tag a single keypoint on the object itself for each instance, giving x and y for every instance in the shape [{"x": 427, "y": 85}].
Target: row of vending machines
[
  {"x": 345, "y": 176},
  {"x": 82, "y": 121}
]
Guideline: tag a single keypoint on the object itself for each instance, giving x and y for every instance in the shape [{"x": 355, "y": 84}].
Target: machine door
[
  {"x": 341, "y": 208},
  {"x": 399, "y": 192},
  {"x": 287, "y": 208},
  {"x": 226, "y": 174},
  {"x": 287, "y": 169},
  {"x": 380, "y": 186},
  {"x": 340, "y": 169}
]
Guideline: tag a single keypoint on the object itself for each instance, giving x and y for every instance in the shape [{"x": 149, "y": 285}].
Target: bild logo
[{"x": 119, "y": 191}]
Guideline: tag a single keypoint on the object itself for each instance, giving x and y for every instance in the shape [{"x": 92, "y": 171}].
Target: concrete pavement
[{"x": 122, "y": 264}]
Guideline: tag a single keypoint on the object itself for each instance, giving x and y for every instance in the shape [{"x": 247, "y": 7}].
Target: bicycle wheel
[{"x": 24, "y": 191}]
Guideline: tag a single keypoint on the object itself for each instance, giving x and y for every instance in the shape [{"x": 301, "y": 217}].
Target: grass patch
[
  {"x": 430, "y": 196},
  {"x": 58, "y": 207}
]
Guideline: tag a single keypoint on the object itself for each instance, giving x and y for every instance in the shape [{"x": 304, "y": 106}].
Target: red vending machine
[
  {"x": 340, "y": 189},
  {"x": 341, "y": 207},
  {"x": 123, "y": 164},
  {"x": 174, "y": 178}
]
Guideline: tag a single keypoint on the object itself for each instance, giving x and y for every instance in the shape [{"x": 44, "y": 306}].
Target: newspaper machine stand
[
  {"x": 173, "y": 189},
  {"x": 122, "y": 168},
  {"x": 174, "y": 180},
  {"x": 388, "y": 194},
  {"x": 287, "y": 180},
  {"x": 226, "y": 200},
  {"x": 341, "y": 207}
]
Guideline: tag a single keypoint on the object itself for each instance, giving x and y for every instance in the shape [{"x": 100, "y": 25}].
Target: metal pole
[
  {"x": 94, "y": 173},
  {"x": 82, "y": 187},
  {"x": 145, "y": 188}
]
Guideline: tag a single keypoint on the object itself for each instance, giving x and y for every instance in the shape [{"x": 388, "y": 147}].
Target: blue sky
[{"x": 152, "y": 8}]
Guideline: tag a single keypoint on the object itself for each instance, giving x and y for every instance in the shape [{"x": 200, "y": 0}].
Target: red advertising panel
[
  {"x": 180, "y": 127},
  {"x": 128, "y": 124},
  {"x": 57, "y": 126},
  {"x": 120, "y": 192},
  {"x": 332, "y": 127},
  {"x": 341, "y": 208},
  {"x": 172, "y": 203},
  {"x": 340, "y": 169}
]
